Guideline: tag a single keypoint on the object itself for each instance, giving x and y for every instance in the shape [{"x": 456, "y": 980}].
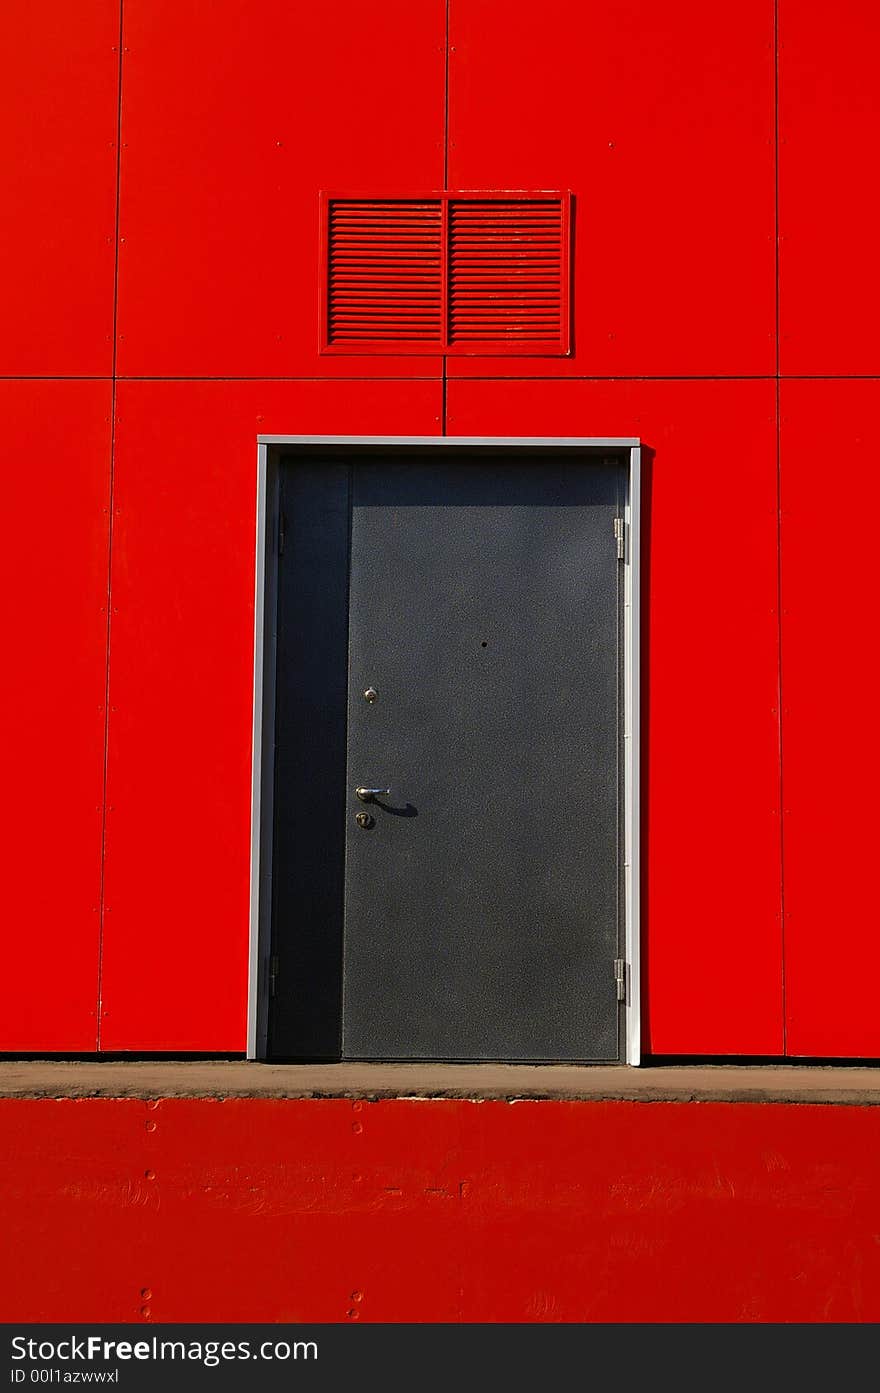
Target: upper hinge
[
  {"x": 280, "y": 534},
  {"x": 620, "y": 538},
  {"x": 620, "y": 978}
]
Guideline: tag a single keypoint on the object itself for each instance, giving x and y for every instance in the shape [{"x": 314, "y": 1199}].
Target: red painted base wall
[{"x": 438, "y": 1211}]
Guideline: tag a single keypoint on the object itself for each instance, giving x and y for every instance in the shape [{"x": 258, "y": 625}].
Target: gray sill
[{"x": 733, "y": 1083}]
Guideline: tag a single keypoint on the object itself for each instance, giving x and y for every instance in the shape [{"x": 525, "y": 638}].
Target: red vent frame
[{"x": 454, "y": 264}]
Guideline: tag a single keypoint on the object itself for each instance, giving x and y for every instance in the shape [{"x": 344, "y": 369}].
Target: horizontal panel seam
[{"x": 469, "y": 377}]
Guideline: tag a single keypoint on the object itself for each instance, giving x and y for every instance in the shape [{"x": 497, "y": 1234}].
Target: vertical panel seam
[
  {"x": 443, "y": 360},
  {"x": 779, "y": 634},
  {"x": 110, "y": 505}
]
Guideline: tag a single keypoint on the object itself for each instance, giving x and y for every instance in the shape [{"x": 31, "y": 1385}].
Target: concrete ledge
[{"x": 190, "y": 1079}]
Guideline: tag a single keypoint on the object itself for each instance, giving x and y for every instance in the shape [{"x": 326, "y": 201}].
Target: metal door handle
[{"x": 366, "y": 795}]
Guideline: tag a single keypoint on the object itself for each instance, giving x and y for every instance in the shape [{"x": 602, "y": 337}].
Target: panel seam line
[
  {"x": 779, "y": 626},
  {"x": 445, "y": 215},
  {"x": 110, "y": 514}
]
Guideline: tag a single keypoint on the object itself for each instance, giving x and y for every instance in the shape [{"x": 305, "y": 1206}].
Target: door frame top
[{"x": 269, "y": 451}]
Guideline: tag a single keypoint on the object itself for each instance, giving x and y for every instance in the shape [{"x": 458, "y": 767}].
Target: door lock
[{"x": 364, "y": 820}]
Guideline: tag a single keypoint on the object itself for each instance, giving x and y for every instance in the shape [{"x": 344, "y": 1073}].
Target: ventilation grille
[
  {"x": 504, "y": 271},
  {"x": 474, "y": 273},
  {"x": 385, "y": 272}
]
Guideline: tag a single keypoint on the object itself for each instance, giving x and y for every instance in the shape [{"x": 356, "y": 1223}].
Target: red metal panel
[
  {"x": 59, "y": 88},
  {"x": 660, "y": 119},
  {"x": 831, "y": 741},
  {"x": 711, "y": 747},
  {"x": 188, "y": 1210},
  {"x": 829, "y": 129},
  {"x": 53, "y": 557},
  {"x": 176, "y": 909},
  {"x": 232, "y": 124}
]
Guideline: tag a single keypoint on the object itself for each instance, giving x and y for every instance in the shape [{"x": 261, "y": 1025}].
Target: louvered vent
[
  {"x": 447, "y": 273},
  {"x": 384, "y": 272},
  {"x": 504, "y": 271}
]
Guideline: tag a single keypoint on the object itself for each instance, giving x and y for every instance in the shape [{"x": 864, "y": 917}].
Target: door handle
[{"x": 366, "y": 795}]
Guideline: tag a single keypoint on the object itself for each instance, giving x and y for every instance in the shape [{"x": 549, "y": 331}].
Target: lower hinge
[
  {"x": 273, "y": 973},
  {"x": 620, "y": 978}
]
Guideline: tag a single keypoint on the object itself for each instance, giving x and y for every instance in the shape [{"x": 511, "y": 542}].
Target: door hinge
[
  {"x": 620, "y": 537},
  {"x": 620, "y": 978},
  {"x": 273, "y": 973},
  {"x": 280, "y": 534}
]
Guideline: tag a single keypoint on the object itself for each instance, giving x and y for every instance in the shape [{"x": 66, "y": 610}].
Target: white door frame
[{"x": 265, "y": 640}]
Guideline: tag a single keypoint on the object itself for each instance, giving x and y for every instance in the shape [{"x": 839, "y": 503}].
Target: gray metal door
[{"x": 482, "y": 897}]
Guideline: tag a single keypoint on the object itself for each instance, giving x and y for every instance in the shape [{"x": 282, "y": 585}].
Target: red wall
[
  {"x": 160, "y": 302},
  {"x": 192, "y": 1210}
]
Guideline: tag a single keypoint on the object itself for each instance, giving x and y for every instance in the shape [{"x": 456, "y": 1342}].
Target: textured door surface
[{"x": 481, "y": 908}]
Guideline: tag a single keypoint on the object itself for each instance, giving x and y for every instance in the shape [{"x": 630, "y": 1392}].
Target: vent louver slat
[
  {"x": 505, "y": 270},
  {"x": 385, "y": 274},
  {"x": 447, "y": 273}
]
